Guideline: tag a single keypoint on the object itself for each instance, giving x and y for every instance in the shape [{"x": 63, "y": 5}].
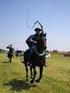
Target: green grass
[{"x": 56, "y": 77}]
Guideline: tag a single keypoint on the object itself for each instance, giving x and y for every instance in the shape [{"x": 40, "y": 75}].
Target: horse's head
[{"x": 41, "y": 43}]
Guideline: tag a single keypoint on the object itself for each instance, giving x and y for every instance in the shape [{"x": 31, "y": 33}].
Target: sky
[{"x": 18, "y": 16}]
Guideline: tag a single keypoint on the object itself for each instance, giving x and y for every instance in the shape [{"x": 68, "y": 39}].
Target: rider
[
  {"x": 32, "y": 41},
  {"x": 11, "y": 49}
]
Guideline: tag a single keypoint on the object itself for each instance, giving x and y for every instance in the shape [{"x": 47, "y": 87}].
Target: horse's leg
[
  {"x": 26, "y": 67},
  {"x": 41, "y": 71},
  {"x": 10, "y": 59},
  {"x": 31, "y": 72},
  {"x": 34, "y": 70}
]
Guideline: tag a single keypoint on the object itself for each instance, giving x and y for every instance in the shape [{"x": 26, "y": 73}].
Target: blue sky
[{"x": 18, "y": 16}]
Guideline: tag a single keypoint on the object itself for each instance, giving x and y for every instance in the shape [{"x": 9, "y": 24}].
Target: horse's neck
[
  {"x": 40, "y": 49},
  {"x": 41, "y": 44}
]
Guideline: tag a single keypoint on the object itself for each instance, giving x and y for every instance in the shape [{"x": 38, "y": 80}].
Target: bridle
[{"x": 39, "y": 54}]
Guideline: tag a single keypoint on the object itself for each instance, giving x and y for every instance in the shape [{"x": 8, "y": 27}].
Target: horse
[
  {"x": 37, "y": 59},
  {"x": 10, "y": 53}
]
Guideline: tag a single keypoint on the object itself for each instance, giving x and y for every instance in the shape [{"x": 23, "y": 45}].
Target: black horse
[
  {"x": 37, "y": 59},
  {"x": 10, "y": 53}
]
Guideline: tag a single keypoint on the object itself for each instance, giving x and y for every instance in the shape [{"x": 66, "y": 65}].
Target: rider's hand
[{"x": 35, "y": 42}]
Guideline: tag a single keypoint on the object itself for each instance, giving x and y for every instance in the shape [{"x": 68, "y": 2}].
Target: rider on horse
[
  {"x": 32, "y": 41},
  {"x": 11, "y": 49}
]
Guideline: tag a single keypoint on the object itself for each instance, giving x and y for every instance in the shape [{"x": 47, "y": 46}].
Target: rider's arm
[
  {"x": 30, "y": 39},
  {"x": 7, "y": 47},
  {"x": 33, "y": 41}
]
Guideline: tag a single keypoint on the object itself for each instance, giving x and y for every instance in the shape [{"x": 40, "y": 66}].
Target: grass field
[{"x": 56, "y": 77}]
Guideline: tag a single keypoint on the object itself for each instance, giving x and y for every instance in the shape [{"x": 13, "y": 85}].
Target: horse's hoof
[
  {"x": 31, "y": 81},
  {"x": 37, "y": 80}
]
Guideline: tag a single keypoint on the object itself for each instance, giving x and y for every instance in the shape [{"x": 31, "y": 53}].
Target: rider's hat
[{"x": 37, "y": 29}]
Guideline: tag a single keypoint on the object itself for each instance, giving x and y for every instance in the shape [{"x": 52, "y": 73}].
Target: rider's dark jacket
[{"x": 30, "y": 39}]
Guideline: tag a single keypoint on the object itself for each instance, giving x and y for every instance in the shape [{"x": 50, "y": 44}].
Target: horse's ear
[{"x": 45, "y": 34}]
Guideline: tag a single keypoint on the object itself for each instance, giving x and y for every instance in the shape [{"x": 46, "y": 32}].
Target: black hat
[{"x": 37, "y": 29}]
